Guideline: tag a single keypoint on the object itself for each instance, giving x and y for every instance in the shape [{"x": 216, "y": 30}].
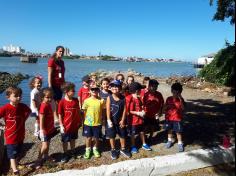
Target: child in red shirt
[
  {"x": 174, "y": 107},
  {"x": 145, "y": 84},
  {"x": 135, "y": 116},
  {"x": 46, "y": 124},
  {"x": 153, "y": 103},
  {"x": 15, "y": 114},
  {"x": 84, "y": 91},
  {"x": 69, "y": 118}
]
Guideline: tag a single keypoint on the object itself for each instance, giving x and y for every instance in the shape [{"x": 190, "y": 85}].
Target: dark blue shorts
[
  {"x": 116, "y": 129},
  {"x": 57, "y": 93},
  {"x": 34, "y": 115},
  {"x": 152, "y": 122},
  {"x": 135, "y": 130},
  {"x": 14, "y": 150},
  {"x": 67, "y": 137},
  {"x": 174, "y": 126},
  {"x": 92, "y": 131},
  {"x": 48, "y": 137}
]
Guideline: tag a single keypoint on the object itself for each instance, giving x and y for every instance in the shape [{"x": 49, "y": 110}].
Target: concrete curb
[{"x": 160, "y": 165}]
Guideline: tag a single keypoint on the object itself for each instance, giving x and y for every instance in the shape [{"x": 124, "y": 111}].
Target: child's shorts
[
  {"x": 67, "y": 137},
  {"x": 135, "y": 130},
  {"x": 34, "y": 115},
  {"x": 174, "y": 126},
  {"x": 48, "y": 137},
  {"x": 92, "y": 131},
  {"x": 57, "y": 93},
  {"x": 152, "y": 122},
  {"x": 14, "y": 150},
  {"x": 116, "y": 129}
]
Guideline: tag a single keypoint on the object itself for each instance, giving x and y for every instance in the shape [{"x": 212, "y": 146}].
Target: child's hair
[
  {"x": 45, "y": 91},
  {"x": 86, "y": 79},
  {"x": 177, "y": 86},
  {"x": 67, "y": 86},
  {"x": 31, "y": 84},
  {"x": 13, "y": 90},
  {"x": 123, "y": 77},
  {"x": 146, "y": 79},
  {"x": 153, "y": 82},
  {"x": 105, "y": 79},
  {"x": 130, "y": 76}
]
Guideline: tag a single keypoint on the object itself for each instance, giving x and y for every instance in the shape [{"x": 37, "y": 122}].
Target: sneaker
[
  {"x": 16, "y": 173},
  {"x": 134, "y": 150},
  {"x": 114, "y": 155},
  {"x": 181, "y": 147},
  {"x": 169, "y": 144},
  {"x": 146, "y": 147},
  {"x": 96, "y": 153},
  {"x": 65, "y": 159},
  {"x": 87, "y": 154},
  {"x": 125, "y": 153}
]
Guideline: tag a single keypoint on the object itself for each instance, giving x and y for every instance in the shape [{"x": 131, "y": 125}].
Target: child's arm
[
  {"x": 122, "y": 122},
  {"x": 35, "y": 108},
  {"x": 182, "y": 102},
  {"x": 108, "y": 110},
  {"x": 41, "y": 126}
]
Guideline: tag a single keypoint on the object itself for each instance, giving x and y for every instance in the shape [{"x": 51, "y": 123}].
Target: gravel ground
[{"x": 207, "y": 118}]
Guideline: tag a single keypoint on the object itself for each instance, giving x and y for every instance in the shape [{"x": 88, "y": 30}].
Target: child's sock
[
  {"x": 170, "y": 139},
  {"x": 180, "y": 142}
]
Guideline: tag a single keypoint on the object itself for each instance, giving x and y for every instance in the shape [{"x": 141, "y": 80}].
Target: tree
[{"x": 225, "y": 9}]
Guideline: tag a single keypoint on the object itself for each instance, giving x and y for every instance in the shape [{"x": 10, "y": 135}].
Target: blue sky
[{"x": 179, "y": 29}]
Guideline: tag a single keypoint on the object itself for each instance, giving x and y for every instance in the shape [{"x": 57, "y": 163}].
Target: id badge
[{"x": 60, "y": 75}]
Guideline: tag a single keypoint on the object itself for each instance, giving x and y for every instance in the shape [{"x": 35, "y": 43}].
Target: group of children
[{"x": 124, "y": 109}]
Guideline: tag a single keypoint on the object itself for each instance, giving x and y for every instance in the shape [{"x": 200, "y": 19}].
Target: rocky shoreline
[
  {"x": 7, "y": 79},
  {"x": 191, "y": 82}
]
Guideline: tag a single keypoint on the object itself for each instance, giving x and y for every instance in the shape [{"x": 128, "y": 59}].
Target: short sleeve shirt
[
  {"x": 69, "y": 110},
  {"x": 15, "y": 117},
  {"x": 34, "y": 96},
  {"x": 153, "y": 102},
  {"x": 83, "y": 93},
  {"x": 58, "y": 72},
  {"x": 174, "y": 110},
  {"x": 93, "y": 111},
  {"x": 46, "y": 111}
]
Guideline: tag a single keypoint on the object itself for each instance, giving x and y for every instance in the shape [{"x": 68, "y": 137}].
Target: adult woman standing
[
  {"x": 56, "y": 73},
  {"x": 56, "y": 77}
]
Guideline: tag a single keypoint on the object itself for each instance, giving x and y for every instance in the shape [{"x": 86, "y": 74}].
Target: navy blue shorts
[
  {"x": 67, "y": 137},
  {"x": 48, "y": 137},
  {"x": 116, "y": 129},
  {"x": 57, "y": 93},
  {"x": 92, "y": 131},
  {"x": 135, "y": 130},
  {"x": 14, "y": 150},
  {"x": 174, "y": 126},
  {"x": 152, "y": 122}
]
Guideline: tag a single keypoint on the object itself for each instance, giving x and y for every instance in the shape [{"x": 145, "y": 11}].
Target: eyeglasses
[{"x": 95, "y": 89}]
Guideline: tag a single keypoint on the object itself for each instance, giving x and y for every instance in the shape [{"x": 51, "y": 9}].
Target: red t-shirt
[
  {"x": 83, "y": 93},
  {"x": 69, "y": 110},
  {"x": 153, "y": 102},
  {"x": 174, "y": 111},
  {"x": 58, "y": 72},
  {"x": 143, "y": 91},
  {"x": 133, "y": 104},
  {"x": 46, "y": 110},
  {"x": 15, "y": 117}
]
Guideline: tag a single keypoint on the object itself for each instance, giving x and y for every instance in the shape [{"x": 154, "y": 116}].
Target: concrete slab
[{"x": 160, "y": 165}]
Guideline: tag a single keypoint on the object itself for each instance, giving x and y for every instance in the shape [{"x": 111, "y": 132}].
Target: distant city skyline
[{"x": 181, "y": 30}]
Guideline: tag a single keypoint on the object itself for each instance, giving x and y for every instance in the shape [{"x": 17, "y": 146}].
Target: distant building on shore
[
  {"x": 13, "y": 49},
  {"x": 204, "y": 60},
  {"x": 67, "y": 52}
]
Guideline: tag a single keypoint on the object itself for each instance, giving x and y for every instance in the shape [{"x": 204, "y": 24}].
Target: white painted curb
[{"x": 160, "y": 165}]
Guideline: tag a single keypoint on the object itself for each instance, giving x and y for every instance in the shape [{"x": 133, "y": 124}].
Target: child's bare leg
[
  {"x": 122, "y": 143},
  {"x": 43, "y": 151},
  {"x": 132, "y": 140},
  {"x": 72, "y": 144},
  {"x": 170, "y": 136},
  {"x": 112, "y": 142},
  {"x": 13, "y": 165},
  {"x": 65, "y": 146},
  {"x": 96, "y": 144},
  {"x": 88, "y": 142},
  {"x": 179, "y": 137},
  {"x": 142, "y": 137}
]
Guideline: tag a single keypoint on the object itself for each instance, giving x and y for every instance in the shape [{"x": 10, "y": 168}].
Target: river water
[{"x": 76, "y": 69}]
